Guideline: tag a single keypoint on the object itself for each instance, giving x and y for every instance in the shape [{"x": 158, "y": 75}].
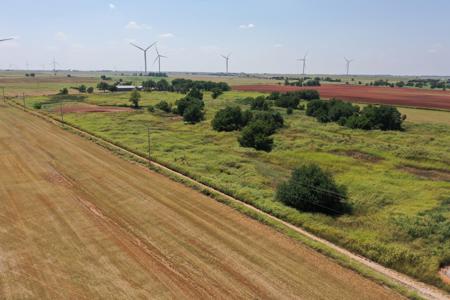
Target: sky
[{"x": 402, "y": 37}]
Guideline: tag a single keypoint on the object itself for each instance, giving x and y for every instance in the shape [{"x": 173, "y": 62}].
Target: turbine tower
[
  {"x": 158, "y": 58},
  {"x": 145, "y": 53},
  {"x": 54, "y": 64},
  {"x": 348, "y": 62},
  {"x": 304, "y": 62},
  {"x": 227, "y": 59}
]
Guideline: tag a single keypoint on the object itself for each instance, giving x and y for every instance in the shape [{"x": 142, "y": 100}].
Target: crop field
[
  {"x": 79, "y": 222},
  {"x": 366, "y": 94},
  {"x": 398, "y": 182}
]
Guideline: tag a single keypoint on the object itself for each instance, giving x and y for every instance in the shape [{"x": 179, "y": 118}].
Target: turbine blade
[
  {"x": 6, "y": 39},
  {"x": 137, "y": 46},
  {"x": 156, "y": 59},
  {"x": 151, "y": 46}
]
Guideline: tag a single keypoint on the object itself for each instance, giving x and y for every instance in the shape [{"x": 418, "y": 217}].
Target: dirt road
[{"x": 78, "y": 222}]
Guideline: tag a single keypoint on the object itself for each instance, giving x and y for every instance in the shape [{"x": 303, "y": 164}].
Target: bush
[
  {"x": 256, "y": 135},
  {"x": 216, "y": 92},
  {"x": 82, "y": 88},
  {"x": 64, "y": 91},
  {"x": 195, "y": 93},
  {"x": 183, "y": 103},
  {"x": 272, "y": 120},
  {"x": 289, "y": 111},
  {"x": 135, "y": 97},
  {"x": 193, "y": 113},
  {"x": 164, "y": 106},
  {"x": 90, "y": 90},
  {"x": 377, "y": 117},
  {"x": 259, "y": 103},
  {"x": 37, "y": 105},
  {"x": 150, "y": 108},
  {"x": 311, "y": 189},
  {"x": 229, "y": 119},
  {"x": 287, "y": 101},
  {"x": 308, "y": 95}
]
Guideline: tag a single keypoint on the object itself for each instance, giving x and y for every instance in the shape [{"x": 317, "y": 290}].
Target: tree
[
  {"x": 164, "y": 106},
  {"x": 163, "y": 85},
  {"x": 256, "y": 135},
  {"x": 90, "y": 90},
  {"x": 135, "y": 97},
  {"x": 272, "y": 120},
  {"x": 229, "y": 119},
  {"x": 148, "y": 85},
  {"x": 64, "y": 91},
  {"x": 103, "y": 86},
  {"x": 216, "y": 92},
  {"x": 195, "y": 93},
  {"x": 383, "y": 117},
  {"x": 193, "y": 113},
  {"x": 82, "y": 88},
  {"x": 183, "y": 103},
  {"x": 259, "y": 103},
  {"x": 311, "y": 189}
]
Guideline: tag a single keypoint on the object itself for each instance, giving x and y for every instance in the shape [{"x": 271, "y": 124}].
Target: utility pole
[
  {"x": 23, "y": 98},
  {"x": 62, "y": 113},
  {"x": 148, "y": 141},
  {"x": 4, "y": 99}
]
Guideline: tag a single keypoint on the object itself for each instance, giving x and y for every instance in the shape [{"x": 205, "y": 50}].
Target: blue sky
[{"x": 384, "y": 37}]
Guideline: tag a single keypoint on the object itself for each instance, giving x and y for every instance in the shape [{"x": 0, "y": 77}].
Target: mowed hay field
[
  {"x": 398, "y": 182},
  {"x": 78, "y": 222}
]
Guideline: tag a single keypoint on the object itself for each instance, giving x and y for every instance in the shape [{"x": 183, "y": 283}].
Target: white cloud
[
  {"x": 435, "y": 48},
  {"x": 135, "y": 25},
  {"x": 278, "y": 45},
  {"x": 112, "y": 6},
  {"x": 247, "y": 26},
  {"x": 61, "y": 36},
  {"x": 167, "y": 35}
]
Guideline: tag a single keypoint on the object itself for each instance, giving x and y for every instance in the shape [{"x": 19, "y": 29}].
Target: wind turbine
[
  {"x": 227, "y": 59},
  {"x": 145, "y": 53},
  {"x": 54, "y": 64},
  {"x": 4, "y": 40},
  {"x": 158, "y": 58},
  {"x": 304, "y": 62},
  {"x": 348, "y": 62}
]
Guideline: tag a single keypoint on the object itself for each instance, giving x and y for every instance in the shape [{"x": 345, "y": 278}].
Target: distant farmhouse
[{"x": 126, "y": 88}]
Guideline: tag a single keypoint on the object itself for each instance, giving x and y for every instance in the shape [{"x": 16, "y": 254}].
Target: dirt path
[{"x": 78, "y": 222}]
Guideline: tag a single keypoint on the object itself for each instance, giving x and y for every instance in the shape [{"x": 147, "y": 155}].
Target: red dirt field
[
  {"x": 367, "y": 94},
  {"x": 88, "y": 108}
]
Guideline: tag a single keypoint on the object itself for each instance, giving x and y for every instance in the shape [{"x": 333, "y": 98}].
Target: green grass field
[{"x": 399, "y": 182}]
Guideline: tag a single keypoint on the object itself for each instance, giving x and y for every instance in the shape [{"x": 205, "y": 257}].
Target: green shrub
[
  {"x": 229, "y": 119},
  {"x": 289, "y": 111},
  {"x": 164, "y": 106},
  {"x": 195, "y": 93},
  {"x": 259, "y": 103},
  {"x": 183, "y": 103},
  {"x": 256, "y": 135},
  {"x": 272, "y": 120},
  {"x": 37, "y": 105},
  {"x": 193, "y": 113},
  {"x": 216, "y": 92},
  {"x": 90, "y": 90},
  {"x": 311, "y": 189},
  {"x": 150, "y": 108}
]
